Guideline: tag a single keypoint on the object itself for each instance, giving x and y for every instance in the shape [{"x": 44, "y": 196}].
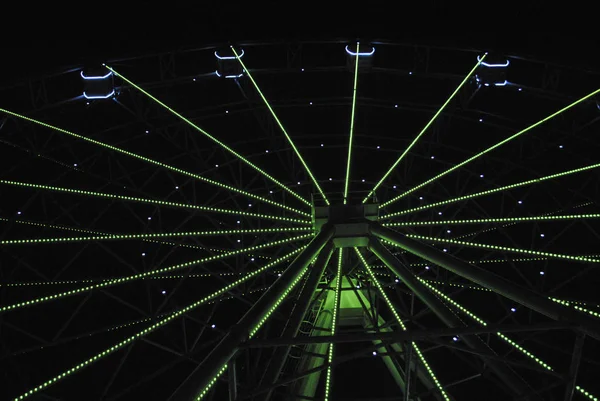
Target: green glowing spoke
[
  {"x": 491, "y": 220},
  {"x": 354, "y": 92},
  {"x": 401, "y": 323},
  {"x": 571, "y": 303},
  {"x": 153, "y": 201},
  {"x": 155, "y": 326},
  {"x": 104, "y": 234},
  {"x": 88, "y": 281},
  {"x": 156, "y": 163},
  {"x": 118, "y": 237},
  {"x": 336, "y": 302},
  {"x": 253, "y": 332},
  {"x": 470, "y": 159},
  {"x": 197, "y": 128},
  {"x": 123, "y": 325},
  {"x": 513, "y": 223},
  {"x": 504, "y": 248},
  {"x": 144, "y": 275},
  {"x": 506, "y": 339},
  {"x": 435, "y": 116},
  {"x": 491, "y": 191},
  {"x": 281, "y": 127}
]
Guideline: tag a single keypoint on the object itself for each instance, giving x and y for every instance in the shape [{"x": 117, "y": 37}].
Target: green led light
[
  {"x": 500, "y": 335},
  {"x": 504, "y": 248},
  {"x": 492, "y": 220},
  {"x": 513, "y": 223},
  {"x": 281, "y": 127},
  {"x": 116, "y": 237},
  {"x": 470, "y": 159},
  {"x": 491, "y": 191},
  {"x": 435, "y": 116},
  {"x": 154, "y": 201},
  {"x": 336, "y": 302},
  {"x": 155, "y": 326},
  {"x": 197, "y": 128},
  {"x": 584, "y": 392},
  {"x": 354, "y": 92},
  {"x": 374, "y": 280},
  {"x": 157, "y": 163},
  {"x": 148, "y": 274}
]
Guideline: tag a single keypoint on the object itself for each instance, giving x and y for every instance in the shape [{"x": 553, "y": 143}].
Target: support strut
[
  {"x": 204, "y": 375},
  {"x": 489, "y": 280},
  {"x": 291, "y": 330},
  {"x": 507, "y": 375}
]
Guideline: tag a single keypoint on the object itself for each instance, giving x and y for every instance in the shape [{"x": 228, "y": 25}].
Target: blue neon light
[
  {"x": 360, "y": 53},
  {"x": 228, "y": 57},
  {"x": 95, "y": 77},
  {"x": 111, "y": 94},
  {"x": 483, "y": 63},
  {"x": 228, "y": 76}
]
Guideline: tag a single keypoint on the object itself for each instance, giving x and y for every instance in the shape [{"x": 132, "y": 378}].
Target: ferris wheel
[{"x": 301, "y": 221}]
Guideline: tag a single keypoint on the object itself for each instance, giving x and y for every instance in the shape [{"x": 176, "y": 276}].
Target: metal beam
[
  {"x": 508, "y": 376},
  {"x": 409, "y": 335},
  {"x": 202, "y": 376},
  {"x": 577, "y": 351},
  {"x": 291, "y": 329},
  {"x": 490, "y": 281}
]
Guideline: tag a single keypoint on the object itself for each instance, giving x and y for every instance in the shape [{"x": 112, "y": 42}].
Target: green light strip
[
  {"x": 492, "y": 220},
  {"x": 399, "y": 320},
  {"x": 253, "y": 332},
  {"x": 502, "y": 336},
  {"x": 143, "y": 275},
  {"x": 579, "y": 308},
  {"x": 435, "y": 116},
  {"x": 570, "y": 303},
  {"x": 113, "y": 237},
  {"x": 153, "y": 327},
  {"x": 354, "y": 92},
  {"x": 157, "y": 163},
  {"x": 152, "y": 201},
  {"x": 197, "y": 128},
  {"x": 124, "y": 325},
  {"x": 511, "y": 224},
  {"x": 103, "y": 234},
  {"x": 336, "y": 302},
  {"x": 504, "y": 248},
  {"x": 470, "y": 159},
  {"x": 491, "y": 191},
  {"x": 281, "y": 126}
]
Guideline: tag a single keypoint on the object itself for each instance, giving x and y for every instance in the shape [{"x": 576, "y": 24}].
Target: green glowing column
[
  {"x": 295, "y": 320},
  {"x": 204, "y": 375},
  {"x": 490, "y": 281},
  {"x": 507, "y": 375}
]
